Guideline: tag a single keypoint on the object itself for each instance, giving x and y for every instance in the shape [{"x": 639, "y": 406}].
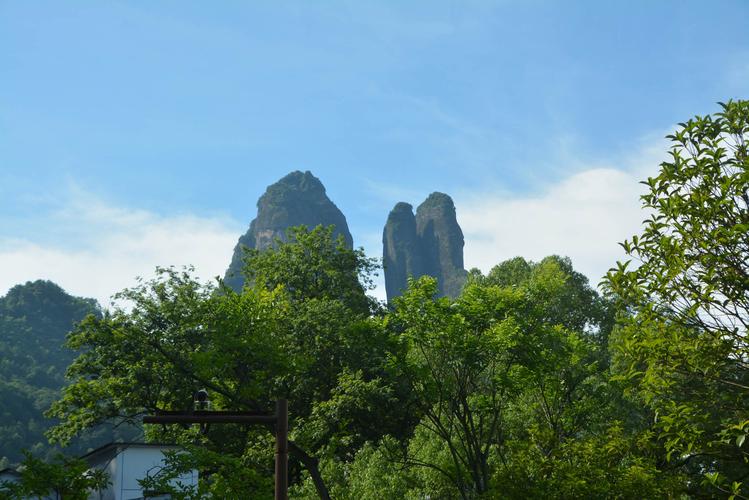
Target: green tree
[
  {"x": 317, "y": 265},
  {"x": 302, "y": 331},
  {"x": 573, "y": 304},
  {"x": 682, "y": 339},
  {"x": 511, "y": 391},
  {"x": 341, "y": 391},
  {"x": 66, "y": 478},
  {"x": 374, "y": 473},
  {"x": 515, "y": 362}
]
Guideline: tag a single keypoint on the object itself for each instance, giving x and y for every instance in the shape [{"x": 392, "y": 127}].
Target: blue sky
[{"x": 124, "y": 121}]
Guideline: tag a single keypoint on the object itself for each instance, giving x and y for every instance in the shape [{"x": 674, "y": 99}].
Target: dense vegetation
[
  {"x": 506, "y": 389},
  {"x": 59, "y": 476},
  {"x": 34, "y": 319},
  {"x": 529, "y": 384},
  {"x": 684, "y": 312}
]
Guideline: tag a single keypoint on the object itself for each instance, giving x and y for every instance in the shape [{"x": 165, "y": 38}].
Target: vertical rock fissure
[{"x": 429, "y": 243}]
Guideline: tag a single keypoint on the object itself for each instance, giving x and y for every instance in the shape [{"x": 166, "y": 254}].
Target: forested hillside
[{"x": 34, "y": 319}]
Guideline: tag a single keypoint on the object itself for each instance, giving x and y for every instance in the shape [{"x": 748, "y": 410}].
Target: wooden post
[
  {"x": 205, "y": 417},
  {"x": 282, "y": 449}
]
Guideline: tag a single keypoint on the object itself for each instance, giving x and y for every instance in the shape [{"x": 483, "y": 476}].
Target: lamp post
[{"x": 205, "y": 417}]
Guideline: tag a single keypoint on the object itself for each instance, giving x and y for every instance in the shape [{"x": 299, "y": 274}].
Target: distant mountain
[
  {"x": 429, "y": 243},
  {"x": 299, "y": 198},
  {"x": 34, "y": 320}
]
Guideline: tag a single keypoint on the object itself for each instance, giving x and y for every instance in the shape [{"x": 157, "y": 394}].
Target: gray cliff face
[
  {"x": 431, "y": 243},
  {"x": 401, "y": 249},
  {"x": 442, "y": 242},
  {"x": 299, "y": 198}
]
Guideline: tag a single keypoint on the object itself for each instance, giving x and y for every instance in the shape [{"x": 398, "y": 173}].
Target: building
[
  {"x": 9, "y": 476},
  {"x": 126, "y": 463}
]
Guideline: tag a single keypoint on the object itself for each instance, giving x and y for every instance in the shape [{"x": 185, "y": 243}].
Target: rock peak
[
  {"x": 438, "y": 199},
  {"x": 297, "y": 198},
  {"x": 304, "y": 181},
  {"x": 430, "y": 243},
  {"x": 402, "y": 206}
]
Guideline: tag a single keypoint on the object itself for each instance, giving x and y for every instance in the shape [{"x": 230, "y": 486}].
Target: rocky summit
[
  {"x": 429, "y": 243},
  {"x": 299, "y": 198}
]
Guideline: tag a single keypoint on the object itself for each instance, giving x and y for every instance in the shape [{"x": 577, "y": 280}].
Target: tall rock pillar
[
  {"x": 430, "y": 243},
  {"x": 299, "y": 198},
  {"x": 442, "y": 242},
  {"x": 401, "y": 255}
]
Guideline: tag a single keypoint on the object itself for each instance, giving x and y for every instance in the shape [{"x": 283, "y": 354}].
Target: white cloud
[
  {"x": 94, "y": 249},
  {"x": 102, "y": 248},
  {"x": 584, "y": 217}
]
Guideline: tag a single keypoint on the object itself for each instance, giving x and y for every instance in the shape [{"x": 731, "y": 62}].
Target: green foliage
[
  {"x": 511, "y": 387},
  {"x": 573, "y": 303},
  {"x": 303, "y": 331},
  {"x": 609, "y": 463},
  {"x": 373, "y": 474},
  {"x": 157, "y": 354},
  {"x": 682, "y": 341},
  {"x": 230, "y": 477},
  {"x": 314, "y": 266},
  {"x": 67, "y": 478},
  {"x": 34, "y": 319},
  {"x": 510, "y": 378},
  {"x": 459, "y": 365}
]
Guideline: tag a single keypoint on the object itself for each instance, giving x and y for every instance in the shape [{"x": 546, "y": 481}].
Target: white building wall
[
  {"x": 130, "y": 465},
  {"x": 108, "y": 494}
]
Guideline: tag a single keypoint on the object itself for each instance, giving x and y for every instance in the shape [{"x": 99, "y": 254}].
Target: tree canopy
[
  {"x": 301, "y": 330},
  {"x": 503, "y": 391},
  {"x": 684, "y": 299},
  {"x": 65, "y": 477}
]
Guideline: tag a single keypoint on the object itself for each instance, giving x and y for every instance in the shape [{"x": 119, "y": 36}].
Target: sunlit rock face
[
  {"x": 299, "y": 198},
  {"x": 429, "y": 243}
]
